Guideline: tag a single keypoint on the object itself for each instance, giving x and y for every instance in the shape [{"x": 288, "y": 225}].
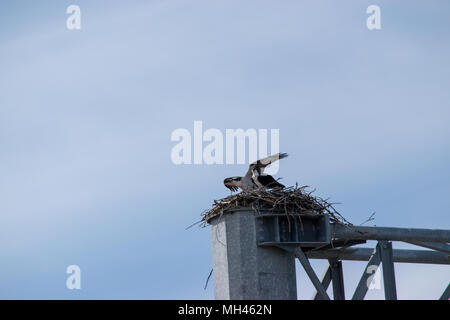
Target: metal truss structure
[{"x": 314, "y": 237}]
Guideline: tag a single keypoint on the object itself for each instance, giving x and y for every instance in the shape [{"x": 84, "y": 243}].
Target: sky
[{"x": 86, "y": 118}]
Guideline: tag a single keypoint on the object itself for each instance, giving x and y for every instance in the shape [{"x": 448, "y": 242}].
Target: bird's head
[{"x": 232, "y": 183}]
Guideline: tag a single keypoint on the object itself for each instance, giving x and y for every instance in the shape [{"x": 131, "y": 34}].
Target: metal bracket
[{"x": 293, "y": 230}]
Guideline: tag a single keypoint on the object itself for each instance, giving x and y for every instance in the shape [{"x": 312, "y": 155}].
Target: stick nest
[{"x": 290, "y": 201}]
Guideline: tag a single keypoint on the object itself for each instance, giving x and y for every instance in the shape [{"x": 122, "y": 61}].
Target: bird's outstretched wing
[
  {"x": 261, "y": 164},
  {"x": 268, "y": 182}
]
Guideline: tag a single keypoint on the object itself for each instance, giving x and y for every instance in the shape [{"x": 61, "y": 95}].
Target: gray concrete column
[{"x": 242, "y": 269}]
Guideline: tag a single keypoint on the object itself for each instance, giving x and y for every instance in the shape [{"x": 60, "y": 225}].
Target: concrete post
[{"x": 242, "y": 270}]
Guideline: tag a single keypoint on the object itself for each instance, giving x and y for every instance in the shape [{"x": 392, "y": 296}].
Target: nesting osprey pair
[{"x": 255, "y": 177}]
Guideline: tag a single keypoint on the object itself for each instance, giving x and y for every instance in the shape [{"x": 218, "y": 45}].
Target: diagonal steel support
[
  {"x": 443, "y": 247},
  {"x": 326, "y": 280},
  {"x": 369, "y": 272},
  {"x": 387, "y": 261},
  {"x": 337, "y": 276},
  {"x": 446, "y": 294},
  {"x": 298, "y": 252}
]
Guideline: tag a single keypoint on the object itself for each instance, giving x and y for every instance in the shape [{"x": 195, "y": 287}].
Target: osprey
[{"x": 255, "y": 177}]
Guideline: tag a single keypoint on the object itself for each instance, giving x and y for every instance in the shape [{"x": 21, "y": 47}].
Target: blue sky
[{"x": 86, "y": 118}]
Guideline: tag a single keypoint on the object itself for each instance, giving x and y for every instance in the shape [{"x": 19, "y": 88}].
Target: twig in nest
[
  {"x": 207, "y": 280},
  {"x": 194, "y": 224},
  {"x": 371, "y": 218},
  {"x": 290, "y": 201}
]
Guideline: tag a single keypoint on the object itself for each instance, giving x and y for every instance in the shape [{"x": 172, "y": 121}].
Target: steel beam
[
  {"x": 337, "y": 276},
  {"x": 298, "y": 252},
  {"x": 326, "y": 280},
  {"x": 392, "y": 234},
  {"x": 446, "y": 294},
  {"x": 399, "y": 255},
  {"x": 369, "y": 271},
  {"x": 387, "y": 262}
]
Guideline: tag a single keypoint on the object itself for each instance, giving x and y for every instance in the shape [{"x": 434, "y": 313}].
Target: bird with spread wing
[{"x": 255, "y": 176}]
